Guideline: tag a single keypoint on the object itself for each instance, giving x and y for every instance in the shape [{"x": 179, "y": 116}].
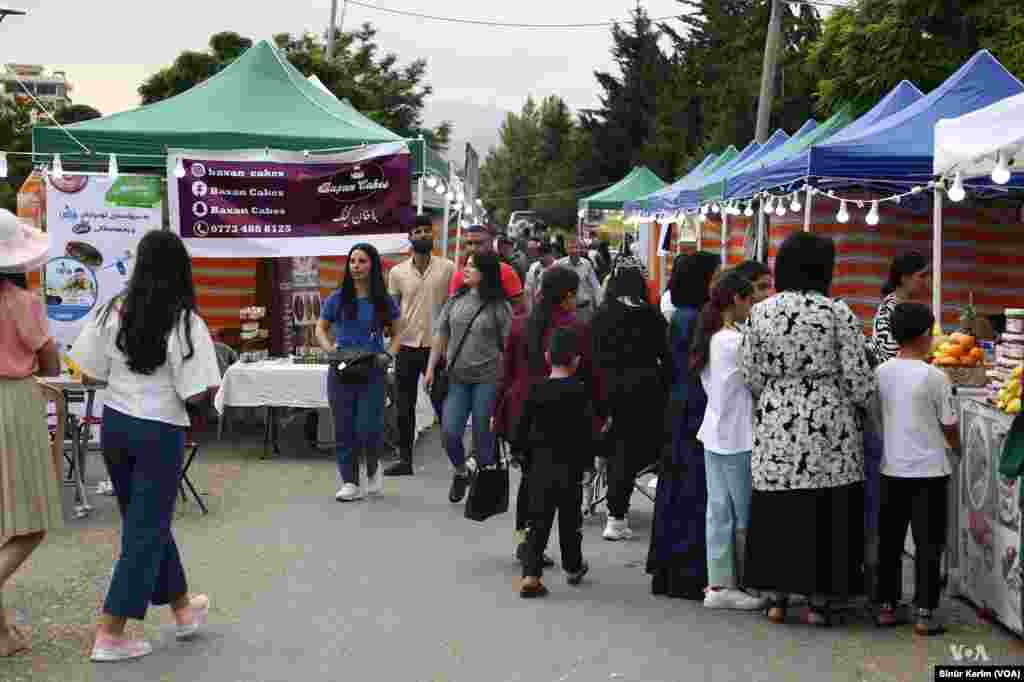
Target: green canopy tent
[
  {"x": 640, "y": 182},
  {"x": 259, "y": 101}
]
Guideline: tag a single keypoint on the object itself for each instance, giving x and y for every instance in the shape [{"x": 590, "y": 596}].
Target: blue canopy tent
[
  {"x": 715, "y": 185},
  {"x": 658, "y": 201},
  {"x": 781, "y": 171}
]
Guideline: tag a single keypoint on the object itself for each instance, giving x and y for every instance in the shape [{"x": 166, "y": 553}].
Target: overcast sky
[{"x": 109, "y": 46}]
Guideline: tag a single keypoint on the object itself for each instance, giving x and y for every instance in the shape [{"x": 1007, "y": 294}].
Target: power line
[{"x": 497, "y": 24}]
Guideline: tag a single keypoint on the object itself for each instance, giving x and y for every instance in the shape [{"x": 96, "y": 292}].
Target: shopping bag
[
  {"x": 1012, "y": 463},
  {"x": 488, "y": 492}
]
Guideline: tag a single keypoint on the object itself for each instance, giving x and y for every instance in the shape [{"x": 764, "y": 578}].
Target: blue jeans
[
  {"x": 144, "y": 459},
  {"x": 729, "y": 490},
  {"x": 358, "y": 411},
  {"x": 463, "y": 400}
]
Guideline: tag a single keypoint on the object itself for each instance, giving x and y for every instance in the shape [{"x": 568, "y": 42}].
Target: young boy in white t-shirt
[{"x": 920, "y": 423}]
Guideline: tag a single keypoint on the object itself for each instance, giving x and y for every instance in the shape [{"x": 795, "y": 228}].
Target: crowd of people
[{"x": 754, "y": 394}]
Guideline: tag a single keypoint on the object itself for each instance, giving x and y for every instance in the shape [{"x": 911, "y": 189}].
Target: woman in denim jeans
[
  {"x": 156, "y": 355},
  {"x": 356, "y": 316},
  {"x": 479, "y": 319}
]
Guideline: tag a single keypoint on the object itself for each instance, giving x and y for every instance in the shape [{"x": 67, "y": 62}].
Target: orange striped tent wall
[
  {"x": 711, "y": 237},
  {"x": 983, "y": 254},
  {"x": 223, "y": 286}
]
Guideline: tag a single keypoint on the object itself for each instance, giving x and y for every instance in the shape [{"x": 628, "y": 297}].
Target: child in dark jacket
[{"x": 556, "y": 433}]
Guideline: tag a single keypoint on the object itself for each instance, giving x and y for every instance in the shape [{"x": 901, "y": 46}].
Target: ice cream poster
[{"x": 95, "y": 225}]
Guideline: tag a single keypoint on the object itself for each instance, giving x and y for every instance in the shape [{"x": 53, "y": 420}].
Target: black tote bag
[{"x": 488, "y": 491}]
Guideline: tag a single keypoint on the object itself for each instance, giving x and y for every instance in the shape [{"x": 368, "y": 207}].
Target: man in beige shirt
[{"x": 420, "y": 287}]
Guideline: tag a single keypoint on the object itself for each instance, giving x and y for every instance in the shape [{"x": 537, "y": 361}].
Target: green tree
[
  {"x": 376, "y": 85},
  {"x": 76, "y": 113},
  {"x": 869, "y": 47},
  {"x": 15, "y": 136}
]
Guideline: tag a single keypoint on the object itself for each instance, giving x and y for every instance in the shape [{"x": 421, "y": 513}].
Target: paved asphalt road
[{"x": 403, "y": 588}]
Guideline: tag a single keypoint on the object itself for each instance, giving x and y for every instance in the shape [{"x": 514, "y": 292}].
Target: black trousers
[
  {"x": 409, "y": 365},
  {"x": 523, "y": 497},
  {"x": 923, "y": 504},
  {"x": 553, "y": 488}
]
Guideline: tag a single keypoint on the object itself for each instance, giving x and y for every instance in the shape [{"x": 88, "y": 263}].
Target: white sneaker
[
  {"x": 375, "y": 483},
  {"x": 617, "y": 529},
  {"x": 109, "y": 650},
  {"x": 733, "y": 599},
  {"x": 349, "y": 492}
]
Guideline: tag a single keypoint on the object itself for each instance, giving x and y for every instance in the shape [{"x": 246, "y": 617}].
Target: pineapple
[{"x": 974, "y": 324}]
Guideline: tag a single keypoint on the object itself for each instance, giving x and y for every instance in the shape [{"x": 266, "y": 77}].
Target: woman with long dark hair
[
  {"x": 525, "y": 364},
  {"x": 155, "y": 353},
  {"x": 677, "y": 559},
  {"x": 356, "y": 317},
  {"x": 909, "y": 278},
  {"x": 631, "y": 351},
  {"x": 30, "y": 495},
  {"x": 470, "y": 334},
  {"x": 805, "y": 360},
  {"x": 727, "y": 435}
]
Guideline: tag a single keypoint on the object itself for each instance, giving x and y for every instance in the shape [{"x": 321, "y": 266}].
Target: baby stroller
[{"x": 595, "y": 488}]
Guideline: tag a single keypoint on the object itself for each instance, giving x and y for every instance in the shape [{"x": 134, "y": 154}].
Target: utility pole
[
  {"x": 335, "y": 27},
  {"x": 772, "y": 42},
  {"x": 771, "y": 57}
]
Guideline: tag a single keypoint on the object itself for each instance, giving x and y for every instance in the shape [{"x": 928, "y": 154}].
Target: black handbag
[
  {"x": 488, "y": 491},
  {"x": 357, "y": 365},
  {"x": 442, "y": 373}
]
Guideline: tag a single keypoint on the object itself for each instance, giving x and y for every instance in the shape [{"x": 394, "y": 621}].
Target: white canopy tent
[{"x": 972, "y": 143}]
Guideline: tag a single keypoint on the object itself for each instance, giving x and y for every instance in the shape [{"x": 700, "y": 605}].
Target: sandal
[
  {"x": 887, "y": 616},
  {"x": 817, "y": 616},
  {"x": 776, "y": 610}
]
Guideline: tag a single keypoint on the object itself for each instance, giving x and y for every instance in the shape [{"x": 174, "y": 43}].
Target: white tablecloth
[{"x": 277, "y": 383}]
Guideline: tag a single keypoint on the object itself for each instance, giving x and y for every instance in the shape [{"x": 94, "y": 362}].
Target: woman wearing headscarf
[
  {"x": 631, "y": 351},
  {"x": 525, "y": 364},
  {"x": 677, "y": 559},
  {"x": 805, "y": 361},
  {"x": 30, "y": 495}
]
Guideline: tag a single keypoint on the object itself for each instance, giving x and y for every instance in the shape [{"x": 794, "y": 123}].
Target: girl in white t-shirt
[
  {"x": 727, "y": 433},
  {"x": 156, "y": 356},
  {"x": 919, "y": 422}
]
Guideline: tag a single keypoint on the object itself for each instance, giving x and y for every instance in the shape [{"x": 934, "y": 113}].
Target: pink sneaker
[
  {"x": 110, "y": 650},
  {"x": 199, "y": 606}
]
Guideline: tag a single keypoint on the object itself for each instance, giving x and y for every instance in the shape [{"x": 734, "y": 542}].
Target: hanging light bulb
[
  {"x": 769, "y": 205},
  {"x": 780, "y": 207},
  {"x": 112, "y": 171},
  {"x": 957, "y": 193},
  {"x": 3, "y": 165},
  {"x": 57, "y": 169},
  {"x": 703, "y": 210},
  {"x": 873, "y": 216},
  {"x": 1001, "y": 173},
  {"x": 734, "y": 209},
  {"x": 450, "y": 196},
  {"x": 749, "y": 210},
  {"x": 431, "y": 181},
  {"x": 715, "y": 208},
  {"x": 795, "y": 206},
  {"x": 179, "y": 168},
  {"x": 843, "y": 216},
  {"x": 440, "y": 187}
]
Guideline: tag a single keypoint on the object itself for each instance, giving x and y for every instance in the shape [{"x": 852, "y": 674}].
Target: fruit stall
[{"x": 987, "y": 529}]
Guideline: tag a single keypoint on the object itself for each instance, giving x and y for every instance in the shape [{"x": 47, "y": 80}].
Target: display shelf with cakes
[
  {"x": 1006, "y": 373},
  {"x": 255, "y": 339}
]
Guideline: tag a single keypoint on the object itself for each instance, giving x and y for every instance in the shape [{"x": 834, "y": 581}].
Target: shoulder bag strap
[{"x": 465, "y": 336}]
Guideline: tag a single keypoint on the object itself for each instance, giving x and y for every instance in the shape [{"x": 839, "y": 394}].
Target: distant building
[{"x": 52, "y": 89}]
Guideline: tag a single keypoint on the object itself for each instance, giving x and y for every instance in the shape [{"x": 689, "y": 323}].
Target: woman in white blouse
[{"x": 155, "y": 353}]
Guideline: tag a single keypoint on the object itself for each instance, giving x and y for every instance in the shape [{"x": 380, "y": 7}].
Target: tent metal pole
[
  {"x": 937, "y": 254},
  {"x": 700, "y": 236},
  {"x": 419, "y": 195},
  {"x": 724, "y": 246},
  {"x": 807, "y": 209}
]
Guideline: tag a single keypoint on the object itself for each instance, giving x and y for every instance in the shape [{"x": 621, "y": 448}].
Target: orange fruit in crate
[
  {"x": 947, "y": 361},
  {"x": 977, "y": 355}
]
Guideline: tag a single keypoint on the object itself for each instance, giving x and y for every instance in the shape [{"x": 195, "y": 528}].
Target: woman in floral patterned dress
[{"x": 804, "y": 358}]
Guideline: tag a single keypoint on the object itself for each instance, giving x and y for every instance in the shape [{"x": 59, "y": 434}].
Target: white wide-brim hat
[{"x": 22, "y": 247}]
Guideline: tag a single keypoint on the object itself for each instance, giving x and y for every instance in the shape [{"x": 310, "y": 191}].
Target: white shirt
[
  {"x": 728, "y": 426},
  {"x": 161, "y": 395},
  {"x": 667, "y": 307},
  {"x": 915, "y": 400}
]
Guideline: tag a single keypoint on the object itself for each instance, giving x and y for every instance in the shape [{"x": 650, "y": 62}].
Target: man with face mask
[{"x": 420, "y": 287}]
